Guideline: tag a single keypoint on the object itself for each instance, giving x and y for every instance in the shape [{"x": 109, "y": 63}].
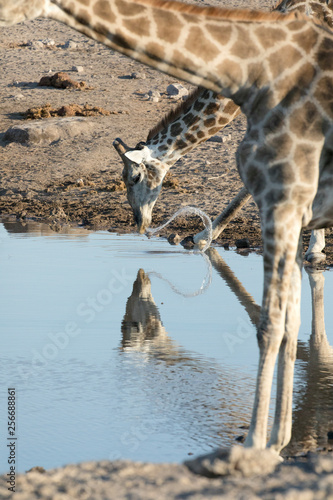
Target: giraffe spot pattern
[
  {"x": 83, "y": 17},
  {"x": 324, "y": 94},
  {"x": 281, "y": 61},
  {"x": 138, "y": 26},
  {"x": 231, "y": 69},
  {"x": 200, "y": 46},
  {"x": 324, "y": 55},
  {"x": 103, "y": 10},
  {"x": 244, "y": 47},
  {"x": 129, "y": 9},
  {"x": 306, "y": 122},
  {"x": 269, "y": 36},
  {"x": 156, "y": 49},
  {"x": 168, "y": 25},
  {"x": 222, "y": 35},
  {"x": 307, "y": 39}
]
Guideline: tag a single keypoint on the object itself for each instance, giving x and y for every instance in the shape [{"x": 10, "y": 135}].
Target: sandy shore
[{"x": 310, "y": 479}]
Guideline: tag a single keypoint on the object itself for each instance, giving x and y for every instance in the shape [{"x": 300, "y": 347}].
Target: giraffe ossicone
[{"x": 279, "y": 69}]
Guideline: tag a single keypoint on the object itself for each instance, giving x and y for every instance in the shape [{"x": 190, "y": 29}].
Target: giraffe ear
[{"x": 135, "y": 156}]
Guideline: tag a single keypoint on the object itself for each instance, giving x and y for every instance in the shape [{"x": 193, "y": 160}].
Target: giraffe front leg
[
  {"x": 280, "y": 282},
  {"x": 314, "y": 253},
  {"x": 281, "y": 432},
  {"x": 221, "y": 222}
]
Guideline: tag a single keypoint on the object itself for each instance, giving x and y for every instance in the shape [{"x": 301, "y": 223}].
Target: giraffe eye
[{"x": 136, "y": 179}]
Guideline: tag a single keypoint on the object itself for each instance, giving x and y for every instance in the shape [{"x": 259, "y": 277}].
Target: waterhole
[{"x": 124, "y": 347}]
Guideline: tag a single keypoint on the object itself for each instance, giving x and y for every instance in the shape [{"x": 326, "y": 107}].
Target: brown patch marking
[
  {"x": 244, "y": 47},
  {"x": 103, "y": 10},
  {"x": 222, "y": 36},
  {"x": 138, "y": 26},
  {"x": 279, "y": 61},
  {"x": 269, "y": 36},
  {"x": 129, "y": 9},
  {"x": 168, "y": 25},
  {"x": 198, "y": 45},
  {"x": 324, "y": 94}
]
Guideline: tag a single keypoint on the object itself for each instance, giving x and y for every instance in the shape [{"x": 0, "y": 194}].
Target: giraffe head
[
  {"x": 318, "y": 9},
  {"x": 143, "y": 176}
]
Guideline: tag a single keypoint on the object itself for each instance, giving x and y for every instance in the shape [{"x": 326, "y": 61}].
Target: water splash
[
  {"x": 189, "y": 211},
  {"x": 208, "y": 225}
]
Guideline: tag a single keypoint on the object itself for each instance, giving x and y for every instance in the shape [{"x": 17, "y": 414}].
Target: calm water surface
[{"x": 123, "y": 347}]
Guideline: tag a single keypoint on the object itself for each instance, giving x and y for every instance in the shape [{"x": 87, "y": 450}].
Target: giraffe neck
[
  {"x": 206, "y": 112},
  {"x": 198, "y": 121},
  {"x": 199, "y": 45}
]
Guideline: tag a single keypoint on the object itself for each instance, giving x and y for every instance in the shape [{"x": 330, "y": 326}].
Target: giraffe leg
[
  {"x": 314, "y": 253},
  {"x": 280, "y": 281},
  {"x": 281, "y": 432},
  {"x": 221, "y": 222}
]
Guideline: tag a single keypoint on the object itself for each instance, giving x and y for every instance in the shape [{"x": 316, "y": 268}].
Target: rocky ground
[{"x": 69, "y": 173}]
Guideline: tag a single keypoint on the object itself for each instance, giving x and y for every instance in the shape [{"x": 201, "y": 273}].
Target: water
[{"x": 123, "y": 347}]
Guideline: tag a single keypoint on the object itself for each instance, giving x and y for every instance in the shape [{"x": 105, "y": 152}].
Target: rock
[
  {"x": 48, "y": 131},
  {"x": 215, "y": 138},
  {"x": 78, "y": 69},
  {"x": 70, "y": 45},
  {"x": 174, "y": 239},
  {"x": 138, "y": 76},
  {"x": 36, "y": 44},
  {"x": 17, "y": 97},
  {"x": 48, "y": 42},
  {"x": 153, "y": 96},
  {"x": 177, "y": 90},
  {"x": 237, "y": 461},
  {"x": 226, "y": 138},
  {"x": 61, "y": 80},
  {"x": 242, "y": 243}
]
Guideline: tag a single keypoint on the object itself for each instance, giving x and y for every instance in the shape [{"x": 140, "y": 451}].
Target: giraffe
[
  {"x": 181, "y": 130},
  {"x": 278, "y": 69},
  {"x": 146, "y": 166}
]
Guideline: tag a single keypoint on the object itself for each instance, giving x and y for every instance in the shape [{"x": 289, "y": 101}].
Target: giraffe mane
[
  {"x": 174, "y": 113},
  {"x": 242, "y": 15}
]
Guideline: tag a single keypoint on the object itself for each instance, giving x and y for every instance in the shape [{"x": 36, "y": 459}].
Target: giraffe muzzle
[{"x": 120, "y": 147}]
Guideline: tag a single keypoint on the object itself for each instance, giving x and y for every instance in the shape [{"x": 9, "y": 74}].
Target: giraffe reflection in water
[{"x": 143, "y": 331}]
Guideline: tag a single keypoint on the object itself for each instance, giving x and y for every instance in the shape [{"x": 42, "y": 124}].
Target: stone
[
  {"x": 48, "y": 131},
  {"x": 174, "y": 239},
  {"x": 242, "y": 243},
  {"x": 138, "y": 76},
  {"x": 215, "y": 138},
  {"x": 70, "y": 45},
  {"x": 153, "y": 96},
  {"x": 237, "y": 461},
  {"x": 78, "y": 69},
  {"x": 177, "y": 90}
]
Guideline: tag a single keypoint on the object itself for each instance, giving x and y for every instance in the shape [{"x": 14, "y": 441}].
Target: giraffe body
[{"x": 279, "y": 70}]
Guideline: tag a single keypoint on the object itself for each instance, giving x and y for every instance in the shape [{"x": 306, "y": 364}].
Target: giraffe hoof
[{"x": 188, "y": 242}]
